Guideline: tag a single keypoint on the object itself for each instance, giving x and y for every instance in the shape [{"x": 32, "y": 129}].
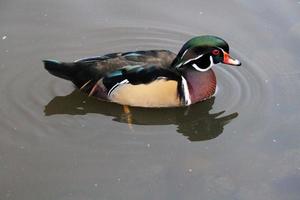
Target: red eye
[{"x": 215, "y": 52}]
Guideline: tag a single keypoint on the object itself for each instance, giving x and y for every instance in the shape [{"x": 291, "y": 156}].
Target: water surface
[{"x": 56, "y": 143}]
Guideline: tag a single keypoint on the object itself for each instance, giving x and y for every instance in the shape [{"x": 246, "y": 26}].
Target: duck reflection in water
[{"x": 195, "y": 122}]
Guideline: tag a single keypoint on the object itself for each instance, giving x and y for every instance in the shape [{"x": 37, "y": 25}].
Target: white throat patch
[{"x": 196, "y": 67}]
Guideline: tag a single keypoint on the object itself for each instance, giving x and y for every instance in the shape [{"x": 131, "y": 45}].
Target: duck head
[{"x": 202, "y": 52}]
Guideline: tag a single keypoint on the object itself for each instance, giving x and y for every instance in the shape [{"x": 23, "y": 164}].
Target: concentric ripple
[
  {"x": 241, "y": 87},
  {"x": 30, "y": 88}
]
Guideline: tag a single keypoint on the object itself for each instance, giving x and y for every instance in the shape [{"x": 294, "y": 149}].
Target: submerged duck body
[{"x": 154, "y": 78}]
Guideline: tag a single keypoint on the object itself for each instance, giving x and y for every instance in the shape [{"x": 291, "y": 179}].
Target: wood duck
[{"x": 153, "y": 78}]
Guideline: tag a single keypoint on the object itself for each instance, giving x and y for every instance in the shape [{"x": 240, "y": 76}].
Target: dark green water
[{"x": 56, "y": 143}]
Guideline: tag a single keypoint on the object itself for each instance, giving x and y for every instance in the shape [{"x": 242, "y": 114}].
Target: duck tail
[{"x": 59, "y": 69}]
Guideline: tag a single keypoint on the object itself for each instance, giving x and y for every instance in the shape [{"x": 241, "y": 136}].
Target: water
[{"x": 56, "y": 143}]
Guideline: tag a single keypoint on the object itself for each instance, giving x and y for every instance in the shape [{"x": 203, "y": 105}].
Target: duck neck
[{"x": 201, "y": 85}]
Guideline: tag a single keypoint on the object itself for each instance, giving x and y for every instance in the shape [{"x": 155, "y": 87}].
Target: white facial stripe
[
  {"x": 115, "y": 86},
  {"x": 186, "y": 93},
  {"x": 184, "y": 53},
  {"x": 186, "y": 62},
  {"x": 196, "y": 66},
  {"x": 221, "y": 49}
]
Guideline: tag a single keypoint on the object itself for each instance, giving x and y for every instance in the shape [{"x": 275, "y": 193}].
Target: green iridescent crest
[{"x": 197, "y": 46}]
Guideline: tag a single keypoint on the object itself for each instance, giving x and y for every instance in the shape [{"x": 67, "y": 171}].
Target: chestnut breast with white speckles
[{"x": 202, "y": 85}]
